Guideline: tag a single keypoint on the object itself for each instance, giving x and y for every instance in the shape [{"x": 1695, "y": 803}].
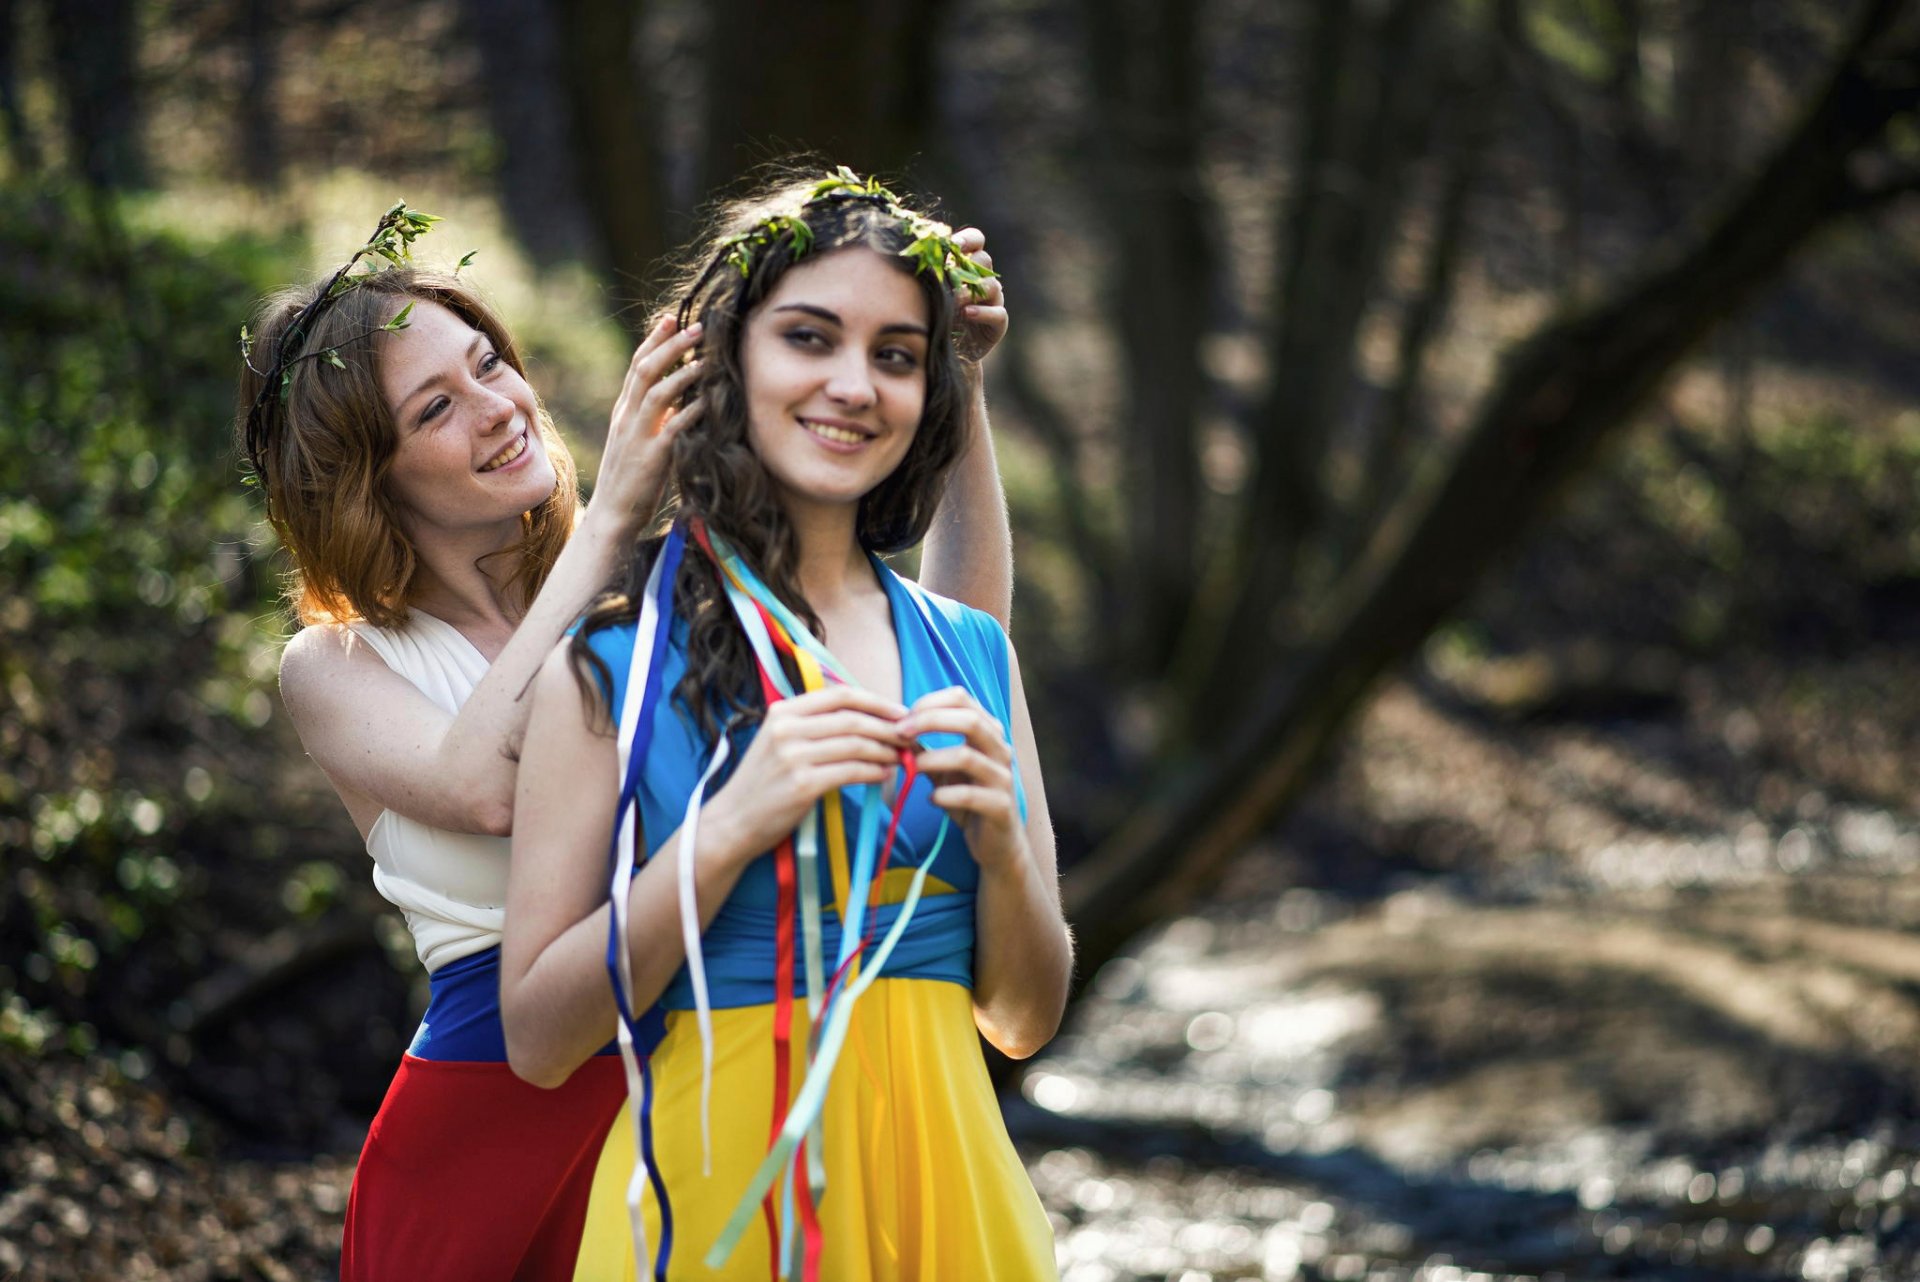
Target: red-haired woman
[{"x": 431, "y": 512}]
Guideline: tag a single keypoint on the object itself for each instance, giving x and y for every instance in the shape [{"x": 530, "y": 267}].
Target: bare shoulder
[
  {"x": 556, "y": 672},
  {"x": 558, "y": 686},
  {"x": 320, "y": 657}
]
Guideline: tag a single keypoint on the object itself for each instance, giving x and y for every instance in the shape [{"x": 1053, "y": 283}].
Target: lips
[
  {"x": 507, "y": 453},
  {"x": 839, "y": 433}
]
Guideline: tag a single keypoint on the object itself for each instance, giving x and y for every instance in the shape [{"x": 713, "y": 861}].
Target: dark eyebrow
[
  {"x": 833, "y": 319},
  {"x": 478, "y": 338}
]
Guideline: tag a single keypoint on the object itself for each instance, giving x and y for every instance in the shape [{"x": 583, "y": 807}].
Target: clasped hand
[{"x": 842, "y": 736}]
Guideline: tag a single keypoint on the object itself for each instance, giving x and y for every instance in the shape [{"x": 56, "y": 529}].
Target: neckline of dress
[
  {"x": 901, "y": 611},
  {"x": 416, "y": 611}
]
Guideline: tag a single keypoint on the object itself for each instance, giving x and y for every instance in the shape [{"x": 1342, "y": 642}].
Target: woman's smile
[
  {"x": 838, "y": 434},
  {"x": 509, "y": 454}
]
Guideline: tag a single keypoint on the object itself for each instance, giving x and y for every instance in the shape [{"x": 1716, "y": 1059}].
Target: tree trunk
[
  {"x": 851, "y": 80},
  {"x": 1367, "y": 120},
  {"x": 93, "y": 57},
  {"x": 260, "y": 156},
  {"x": 538, "y": 179},
  {"x": 1561, "y": 393},
  {"x": 1145, "y": 65},
  {"x": 19, "y": 139},
  {"x": 1389, "y": 452},
  {"x": 614, "y": 150}
]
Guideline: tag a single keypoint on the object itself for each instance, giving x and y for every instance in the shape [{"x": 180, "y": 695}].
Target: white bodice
[{"x": 451, "y": 886}]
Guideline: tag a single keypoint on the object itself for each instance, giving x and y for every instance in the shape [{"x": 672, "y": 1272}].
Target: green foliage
[
  {"x": 740, "y": 250},
  {"x": 1579, "y": 35},
  {"x": 1795, "y": 533},
  {"x": 138, "y": 635}
]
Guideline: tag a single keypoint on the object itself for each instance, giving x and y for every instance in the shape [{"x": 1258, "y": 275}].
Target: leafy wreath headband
[
  {"x": 391, "y": 242},
  {"x": 930, "y": 243}
]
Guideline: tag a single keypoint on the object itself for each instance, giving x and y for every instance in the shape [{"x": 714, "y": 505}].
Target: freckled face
[
  {"x": 835, "y": 361},
  {"x": 470, "y": 450}
]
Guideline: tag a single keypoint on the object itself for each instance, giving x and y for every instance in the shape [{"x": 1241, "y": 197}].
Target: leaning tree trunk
[{"x": 1561, "y": 393}]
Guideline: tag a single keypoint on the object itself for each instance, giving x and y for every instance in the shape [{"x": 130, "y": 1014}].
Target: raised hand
[
  {"x": 982, "y": 322},
  {"x": 633, "y": 469}
]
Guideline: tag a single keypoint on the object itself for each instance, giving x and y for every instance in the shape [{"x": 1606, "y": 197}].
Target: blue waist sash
[
  {"x": 738, "y": 949},
  {"x": 462, "y": 1023}
]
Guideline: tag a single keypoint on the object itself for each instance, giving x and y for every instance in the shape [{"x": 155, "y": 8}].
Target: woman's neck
[
  {"x": 832, "y": 567},
  {"x": 454, "y": 582}
]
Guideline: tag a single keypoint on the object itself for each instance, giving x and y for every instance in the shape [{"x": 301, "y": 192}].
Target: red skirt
[{"x": 470, "y": 1174}]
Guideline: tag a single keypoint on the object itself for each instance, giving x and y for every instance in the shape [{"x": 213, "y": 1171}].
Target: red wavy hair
[{"x": 330, "y": 446}]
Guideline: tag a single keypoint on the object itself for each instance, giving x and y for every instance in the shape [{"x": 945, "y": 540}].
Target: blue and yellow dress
[{"x": 922, "y": 1180}]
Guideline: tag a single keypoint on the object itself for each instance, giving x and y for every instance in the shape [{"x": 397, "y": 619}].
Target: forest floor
[{"x": 1511, "y": 996}]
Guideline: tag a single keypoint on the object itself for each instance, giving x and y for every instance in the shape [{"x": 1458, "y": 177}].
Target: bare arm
[
  {"x": 384, "y": 744},
  {"x": 969, "y": 548},
  {"x": 556, "y": 1000},
  {"x": 1023, "y": 949},
  {"x": 378, "y": 738}
]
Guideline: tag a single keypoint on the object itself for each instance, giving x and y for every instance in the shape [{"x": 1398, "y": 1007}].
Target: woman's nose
[
  {"x": 851, "y": 382},
  {"x": 497, "y": 408}
]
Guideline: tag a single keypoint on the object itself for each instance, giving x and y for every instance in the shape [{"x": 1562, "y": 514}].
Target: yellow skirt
[{"x": 922, "y": 1180}]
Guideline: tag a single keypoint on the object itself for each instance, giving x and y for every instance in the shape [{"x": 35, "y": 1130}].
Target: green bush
[{"x": 147, "y": 827}]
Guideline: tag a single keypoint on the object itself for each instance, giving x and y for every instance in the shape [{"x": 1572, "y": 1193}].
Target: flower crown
[
  {"x": 930, "y": 243},
  {"x": 392, "y": 242}
]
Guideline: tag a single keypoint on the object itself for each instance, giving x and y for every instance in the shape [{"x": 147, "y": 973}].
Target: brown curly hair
[
  {"x": 718, "y": 478},
  {"x": 330, "y": 445}
]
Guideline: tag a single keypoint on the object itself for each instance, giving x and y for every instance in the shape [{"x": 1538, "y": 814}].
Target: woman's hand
[
  {"x": 972, "y": 781},
  {"x": 633, "y": 469},
  {"x": 806, "y": 747},
  {"x": 983, "y": 318}
]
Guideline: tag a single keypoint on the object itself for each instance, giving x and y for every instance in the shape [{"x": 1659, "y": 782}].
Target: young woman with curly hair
[{"x": 775, "y": 697}]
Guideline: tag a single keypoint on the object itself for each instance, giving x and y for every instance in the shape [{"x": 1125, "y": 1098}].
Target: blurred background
[{"x": 1463, "y": 462}]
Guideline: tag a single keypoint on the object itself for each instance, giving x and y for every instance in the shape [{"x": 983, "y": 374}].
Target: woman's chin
[
  {"x": 826, "y": 488},
  {"x": 536, "y": 485}
]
